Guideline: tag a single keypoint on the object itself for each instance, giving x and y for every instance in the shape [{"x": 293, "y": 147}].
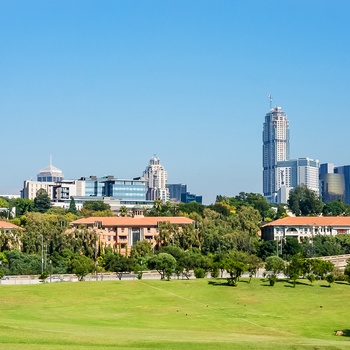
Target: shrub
[{"x": 199, "y": 272}]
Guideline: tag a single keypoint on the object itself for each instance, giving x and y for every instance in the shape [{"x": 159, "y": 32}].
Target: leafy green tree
[
  {"x": 303, "y": 201},
  {"x": 330, "y": 279},
  {"x": 96, "y": 208},
  {"x": 72, "y": 207},
  {"x": 23, "y": 206},
  {"x": 335, "y": 208},
  {"x": 120, "y": 264},
  {"x": 163, "y": 262},
  {"x": 123, "y": 210},
  {"x": 266, "y": 249},
  {"x": 291, "y": 247},
  {"x": 235, "y": 265},
  {"x": 22, "y": 264},
  {"x": 275, "y": 264},
  {"x": 141, "y": 250},
  {"x": 320, "y": 268},
  {"x": 326, "y": 246},
  {"x": 42, "y": 202},
  {"x": 81, "y": 265},
  {"x": 347, "y": 270},
  {"x": 296, "y": 268},
  {"x": 254, "y": 263}
]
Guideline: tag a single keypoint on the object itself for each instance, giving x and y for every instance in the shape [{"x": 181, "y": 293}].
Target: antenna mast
[{"x": 270, "y": 98}]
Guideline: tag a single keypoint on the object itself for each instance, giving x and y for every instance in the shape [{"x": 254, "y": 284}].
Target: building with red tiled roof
[
  {"x": 7, "y": 226},
  {"x": 305, "y": 226},
  {"x": 123, "y": 232}
]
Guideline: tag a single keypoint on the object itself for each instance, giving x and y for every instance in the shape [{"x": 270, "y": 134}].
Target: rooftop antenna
[
  {"x": 270, "y": 98},
  {"x": 50, "y": 160}
]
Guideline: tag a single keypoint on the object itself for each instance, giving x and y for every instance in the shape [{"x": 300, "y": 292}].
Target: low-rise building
[
  {"x": 121, "y": 233},
  {"x": 305, "y": 227}
]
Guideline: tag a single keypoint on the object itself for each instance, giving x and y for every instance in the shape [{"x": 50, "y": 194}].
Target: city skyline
[{"x": 102, "y": 87}]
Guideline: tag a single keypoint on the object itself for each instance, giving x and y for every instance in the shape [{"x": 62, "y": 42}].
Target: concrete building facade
[{"x": 275, "y": 149}]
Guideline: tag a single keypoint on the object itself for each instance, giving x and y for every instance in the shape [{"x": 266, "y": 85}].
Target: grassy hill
[{"x": 195, "y": 314}]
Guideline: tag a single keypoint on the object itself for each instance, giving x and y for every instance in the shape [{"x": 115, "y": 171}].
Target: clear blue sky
[{"x": 103, "y": 85}]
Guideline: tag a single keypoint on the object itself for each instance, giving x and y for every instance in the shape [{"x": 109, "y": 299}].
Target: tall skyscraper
[
  {"x": 156, "y": 177},
  {"x": 275, "y": 149}
]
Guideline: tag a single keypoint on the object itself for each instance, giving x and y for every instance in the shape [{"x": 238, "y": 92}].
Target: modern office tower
[
  {"x": 50, "y": 174},
  {"x": 293, "y": 173},
  {"x": 190, "y": 197},
  {"x": 156, "y": 177},
  {"x": 332, "y": 185},
  {"x": 345, "y": 171},
  {"x": 275, "y": 149},
  {"x": 45, "y": 180},
  {"x": 175, "y": 191}
]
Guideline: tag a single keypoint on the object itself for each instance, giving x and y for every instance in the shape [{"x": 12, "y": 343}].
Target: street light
[
  {"x": 50, "y": 269},
  {"x": 42, "y": 254}
]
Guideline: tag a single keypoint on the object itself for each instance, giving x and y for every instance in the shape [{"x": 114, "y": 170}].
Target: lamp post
[
  {"x": 50, "y": 270},
  {"x": 42, "y": 254}
]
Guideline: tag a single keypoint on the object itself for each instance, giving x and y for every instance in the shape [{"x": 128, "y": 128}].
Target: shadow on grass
[
  {"x": 342, "y": 333},
  {"x": 324, "y": 286},
  {"x": 299, "y": 283},
  {"x": 218, "y": 283},
  {"x": 224, "y": 283},
  {"x": 342, "y": 282}
]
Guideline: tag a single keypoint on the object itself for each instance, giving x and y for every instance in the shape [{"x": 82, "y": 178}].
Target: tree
[
  {"x": 23, "y": 206},
  {"x": 72, "y": 207},
  {"x": 119, "y": 264},
  {"x": 291, "y": 247},
  {"x": 42, "y": 202},
  {"x": 96, "y": 208},
  {"x": 336, "y": 208},
  {"x": 296, "y": 268},
  {"x": 123, "y": 210},
  {"x": 235, "y": 265},
  {"x": 141, "y": 249},
  {"x": 347, "y": 270},
  {"x": 275, "y": 264},
  {"x": 81, "y": 265},
  {"x": 320, "y": 268},
  {"x": 303, "y": 201},
  {"x": 163, "y": 263}
]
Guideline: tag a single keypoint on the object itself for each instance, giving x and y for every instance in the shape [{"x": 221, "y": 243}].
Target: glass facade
[{"x": 116, "y": 188}]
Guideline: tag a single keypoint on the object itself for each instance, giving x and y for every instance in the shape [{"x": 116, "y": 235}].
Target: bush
[
  {"x": 214, "y": 272},
  {"x": 272, "y": 280},
  {"x": 199, "y": 272}
]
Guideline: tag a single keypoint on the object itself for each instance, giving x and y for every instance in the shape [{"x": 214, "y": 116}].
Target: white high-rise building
[
  {"x": 156, "y": 177},
  {"x": 275, "y": 149}
]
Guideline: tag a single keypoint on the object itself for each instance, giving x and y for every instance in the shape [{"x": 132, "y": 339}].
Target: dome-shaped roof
[
  {"x": 50, "y": 173},
  {"x": 50, "y": 169}
]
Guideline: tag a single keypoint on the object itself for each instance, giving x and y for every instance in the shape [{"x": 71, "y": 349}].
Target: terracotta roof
[
  {"x": 7, "y": 225},
  {"x": 129, "y": 221},
  {"x": 311, "y": 221}
]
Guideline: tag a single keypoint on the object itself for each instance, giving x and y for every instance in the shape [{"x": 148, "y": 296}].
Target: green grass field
[{"x": 195, "y": 314}]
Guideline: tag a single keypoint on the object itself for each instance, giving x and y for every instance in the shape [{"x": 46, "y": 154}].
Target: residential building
[
  {"x": 275, "y": 149},
  {"x": 156, "y": 177},
  {"x": 121, "y": 233}
]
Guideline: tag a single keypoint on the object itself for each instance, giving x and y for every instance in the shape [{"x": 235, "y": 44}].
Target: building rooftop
[
  {"x": 312, "y": 221},
  {"x": 130, "y": 221}
]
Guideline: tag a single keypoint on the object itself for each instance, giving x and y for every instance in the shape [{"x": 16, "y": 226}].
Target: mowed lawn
[{"x": 179, "y": 314}]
